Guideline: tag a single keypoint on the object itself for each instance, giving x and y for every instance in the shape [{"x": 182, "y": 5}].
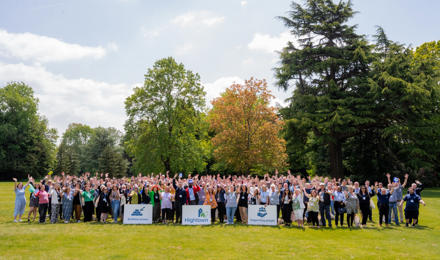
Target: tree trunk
[
  {"x": 167, "y": 164},
  {"x": 335, "y": 152}
]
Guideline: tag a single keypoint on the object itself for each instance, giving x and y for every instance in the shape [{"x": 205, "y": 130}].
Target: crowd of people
[{"x": 317, "y": 201}]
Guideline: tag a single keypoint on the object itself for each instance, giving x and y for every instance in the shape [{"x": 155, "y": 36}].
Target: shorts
[
  {"x": 411, "y": 214},
  {"x": 33, "y": 202}
]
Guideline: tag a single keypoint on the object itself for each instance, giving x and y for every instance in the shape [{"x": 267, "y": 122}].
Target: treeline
[{"x": 359, "y": 108}]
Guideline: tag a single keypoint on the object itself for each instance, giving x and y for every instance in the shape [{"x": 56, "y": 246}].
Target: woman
[
  {"x": 220, "y": 198},
  {"x": 77, "y": 203},
  {"x": 104, "y": 203},
  {"x": 210, "y": 200},
  {"x": 243, "y": 203},
  {"x": 156, "y": 206},
  {"x": 286, "y": 205},
  {"x": 33, "y": 201},
  {"x": 134, "y": 195},
  {"x": 298, "y": 207},
  {"x": 231, "y": 204},
  {"x": 351, "y": 205},
  {"x": 313, "y": 207},
  {"x": 55, "y": 195},
  {"x": 89, "y": 207},
  {"x": 115, "y": 198},
  {"x": 20, "y": 199},
  {"x": 67, "y": 202},
  {"x": 43, "y": 202},
  {"x": 364, "y": 203},
  {"x": 166, "y": 205},
  {"x": 255, "y": 198}
]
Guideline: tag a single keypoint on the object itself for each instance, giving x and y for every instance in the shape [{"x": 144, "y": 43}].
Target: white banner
[
  {"x": 262, "y": 215},
  {"x": 196, "y": 215},
  {"x": 138, "y": 214}
]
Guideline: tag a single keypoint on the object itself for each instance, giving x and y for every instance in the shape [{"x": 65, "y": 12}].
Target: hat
[
  {"x": 190, "y": 181},
  {"x": 322, "y": 183},
  {"x": 395, "y": 179}
]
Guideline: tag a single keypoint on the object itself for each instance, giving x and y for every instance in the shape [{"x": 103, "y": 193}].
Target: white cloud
[
  {"x": 199, "y": 18},
  {"x": 270, "y": 44},
  {"x": 214, "y": 89},
  {"x": 38, "y": 48},
  {"x": 64, "y": 100},
  {"x": 243, "y": 3}
]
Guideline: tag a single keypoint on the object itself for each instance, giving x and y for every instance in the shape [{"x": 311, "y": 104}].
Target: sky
[{"x": 84, "y": 57}]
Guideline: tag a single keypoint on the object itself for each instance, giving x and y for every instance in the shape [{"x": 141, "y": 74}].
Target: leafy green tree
[
  {"x": 166, "y": 130},
  {"x": 329, "y": 69},
  {"x": 72, "y": 154},
  {"x": 26, "y": 142}
]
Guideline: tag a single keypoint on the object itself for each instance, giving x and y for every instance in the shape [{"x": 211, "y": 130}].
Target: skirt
[
  {"x": 33, "y": 202},
  {"x": 298, "y": 214}
]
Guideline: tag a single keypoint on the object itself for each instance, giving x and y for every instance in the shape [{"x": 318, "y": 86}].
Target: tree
[
  {"x": 247, "y": 129},
  {"x": 26, "y": 142},
  {"x": 165, "y": 127},
  {"x": 72, "y": 154},
  {"x": 329, "y": 68}
]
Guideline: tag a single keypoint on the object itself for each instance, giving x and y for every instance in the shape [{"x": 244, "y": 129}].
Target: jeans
[
  {"x": 115, "y": 209},
  {"x": 393, "y": 208},
  {"x": 332, "y": 207},
  {"x": 325, "y": 214},
  {"x": 230, "y": 213}
]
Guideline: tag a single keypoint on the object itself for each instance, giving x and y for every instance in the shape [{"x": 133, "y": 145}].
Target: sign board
[
  {"x": 196, "y": 215},
  {"x": 138, "y": 214},
  {"x": 262, "y": 215}
]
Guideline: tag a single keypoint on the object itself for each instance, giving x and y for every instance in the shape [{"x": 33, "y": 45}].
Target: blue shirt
[
  {"x": 191, "y": 194},
  {"x": 383, "y": 199},
  {"x": 412, "y": 202},
  {"x": 339, "y": 196}
]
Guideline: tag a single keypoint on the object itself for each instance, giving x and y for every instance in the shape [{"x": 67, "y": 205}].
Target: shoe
[
  {"x": 15, "y": 221},
  {"x": 29, "y": 220},
  {"x": 78, "y": 221},
  {"x": 65, "y": 221},
  {"x": 20, "y": 220}
]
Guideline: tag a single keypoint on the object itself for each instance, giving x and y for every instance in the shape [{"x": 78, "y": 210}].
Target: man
[
  {"x": 396, "y": 196},
  {"x": 339, "y": 205},
  {"x": 324, "y": 205},
  {"x": 191, "y": 193},
  {"x": 180, "y": 199},
  {"x": 412, "y": 207}
]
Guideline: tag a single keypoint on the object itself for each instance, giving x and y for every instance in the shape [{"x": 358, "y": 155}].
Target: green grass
[{"x": 91, "y": 240}]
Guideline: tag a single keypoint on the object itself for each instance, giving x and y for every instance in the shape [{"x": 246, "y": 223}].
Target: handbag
[
  {"x": 372, "y": 206},
  {"x": 356, "y": 221}
]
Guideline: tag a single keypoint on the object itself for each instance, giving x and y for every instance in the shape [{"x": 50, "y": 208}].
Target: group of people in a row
[{"x": 317, "y": 200}]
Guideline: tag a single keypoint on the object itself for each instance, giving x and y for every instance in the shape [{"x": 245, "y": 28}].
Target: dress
[
  {"x": 20, "y": 201},
  {"x": 298, "y": 207},
  {"x": 352, "y": 204},
  {"x": 67, "y": 202}
]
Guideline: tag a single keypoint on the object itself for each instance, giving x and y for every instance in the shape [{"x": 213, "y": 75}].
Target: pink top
[{"x": 43, "y": 197}]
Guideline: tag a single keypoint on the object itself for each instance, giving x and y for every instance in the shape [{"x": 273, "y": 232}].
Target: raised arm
[
  {"x": 388, "y": 178},
  {"x": 15, "y": 183},
  {"x": 405, "y": 181}
]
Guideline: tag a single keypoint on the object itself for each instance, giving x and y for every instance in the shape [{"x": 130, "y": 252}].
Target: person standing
[
  {"x": 77, "y": 203},
  {"x": 312, "y": 207},
  {"x": 166, "y": 205},
  {"x": 55, "y": 194},
  {"x": 89, "y": 207},
  {"x": 351, "y": 205},
  {"x": 67, "y": 201},
  {"x": 274, "y": 199},
  {"x": 156, "y": 205},
  {"x": 364, "y": 204},
  {"x": 412, "y": 207},
  {"x": 191, "y": 193},
  {"x": 180, "y": 199},
  {"x": 211, "y": 201},
  {"x": 298, "y": 207},
  {"x": 383, "y": 201},
  {"x": 115, "y": 199},
  {"x": 43, "y": 202},
  {"x": 339, "y": 201},
  {"x": 396, "y": 198},
  {"x": 324, "y": 205},
  {"x": 231, "y": 204},
  {"x": 20, "y": 199},
  {"x": 104, "y": 203},
  {"x": 243, "y": 203},
  {"x": 220, "y": 198}
]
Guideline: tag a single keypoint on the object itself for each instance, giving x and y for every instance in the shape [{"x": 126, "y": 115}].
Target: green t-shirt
[
  {"x": 134, "y": 197},
  {"x": 88, "y": 195}
]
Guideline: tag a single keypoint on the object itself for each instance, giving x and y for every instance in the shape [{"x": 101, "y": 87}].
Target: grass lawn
[{"x": 117, "y": 241}]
